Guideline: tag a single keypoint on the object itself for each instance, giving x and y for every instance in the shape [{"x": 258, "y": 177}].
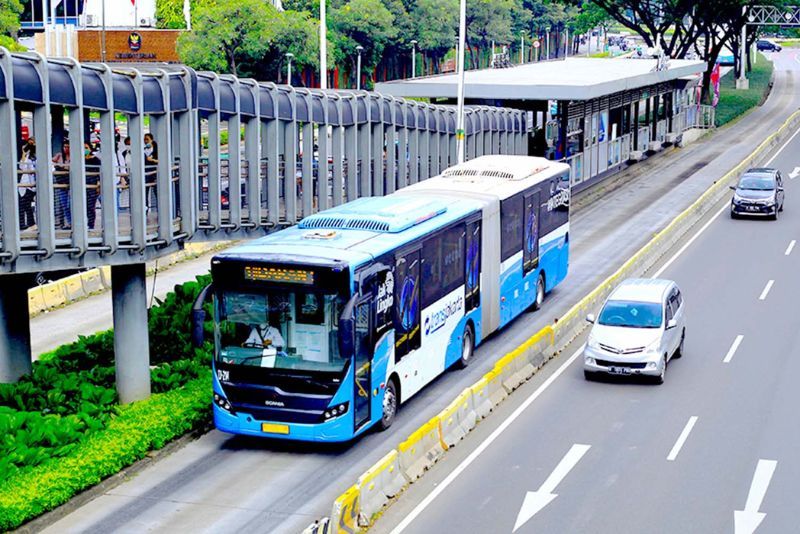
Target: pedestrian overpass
[{"x": 236, "y": 158}]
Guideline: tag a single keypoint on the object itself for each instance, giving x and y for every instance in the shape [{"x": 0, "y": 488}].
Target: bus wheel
[
  {"x": 537, "y": 304},
  {"x": 467, "y": 347},
  {"x": 389, "y": 405}
]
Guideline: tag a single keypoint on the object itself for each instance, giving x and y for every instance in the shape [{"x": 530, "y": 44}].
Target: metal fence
[{"x": 159, "y": 158}]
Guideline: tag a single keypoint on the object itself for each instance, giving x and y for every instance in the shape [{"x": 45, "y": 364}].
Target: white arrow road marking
[
  {"x": 732, "y": 350},
  {"x": 746, "y": 521},
  {"x": 795, "y": 173},
  {"x": 536, "y": 500},
  {"x": 766, "y": 290}
]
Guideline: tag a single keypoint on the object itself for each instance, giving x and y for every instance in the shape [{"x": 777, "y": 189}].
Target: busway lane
[
  {"x": 224, "y": 484},
  {"x": 624, "y": 483}
]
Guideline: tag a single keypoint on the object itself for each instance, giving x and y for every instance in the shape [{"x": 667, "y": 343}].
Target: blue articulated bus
[{"x": 324, "y": 328}]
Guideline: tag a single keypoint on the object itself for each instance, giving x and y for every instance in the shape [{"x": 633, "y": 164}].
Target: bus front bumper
[{"x": 335, "y": 430}]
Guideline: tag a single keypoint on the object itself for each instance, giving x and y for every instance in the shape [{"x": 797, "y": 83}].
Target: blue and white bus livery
[{"x": 324, "y": 328}]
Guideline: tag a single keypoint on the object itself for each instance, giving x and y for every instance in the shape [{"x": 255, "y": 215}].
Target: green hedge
[
  {"x": 69, "y": 401},
  {"x": 129, "y": 435}
]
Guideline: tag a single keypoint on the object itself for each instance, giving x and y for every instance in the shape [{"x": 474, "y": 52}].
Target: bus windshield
[{"x": 279, "y": 328}]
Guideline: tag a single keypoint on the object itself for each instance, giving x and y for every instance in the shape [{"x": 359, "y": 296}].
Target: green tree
[
  {"x": 9, "y": 17},
  {"x": 436, "y": 25},
  {"x": 295, "y": 32},
  {"x": 367, "y": 23},
  {"x": 229, "y": 36}
]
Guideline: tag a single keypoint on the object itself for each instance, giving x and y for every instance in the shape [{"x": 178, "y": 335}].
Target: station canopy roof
[{"x": 571, "y": 79}]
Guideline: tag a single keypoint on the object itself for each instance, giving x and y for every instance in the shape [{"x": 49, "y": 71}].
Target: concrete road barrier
[
  {"x": 481, "y": 403},
  {"x": 421, "y": 450},
  {"x": 380, "y": 483},
  {"x": 345, "y": 511},
  {"x": 458, "y": 418},
  {"x": 497, "y": 393}
]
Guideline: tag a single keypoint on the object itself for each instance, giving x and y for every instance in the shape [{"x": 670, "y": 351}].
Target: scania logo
[{"x": 279, "y": 404}]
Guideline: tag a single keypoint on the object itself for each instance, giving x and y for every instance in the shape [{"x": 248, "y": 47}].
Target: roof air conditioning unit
[
  {"x": 91, "y": 20},
  {"x": 146, "y": 22}
]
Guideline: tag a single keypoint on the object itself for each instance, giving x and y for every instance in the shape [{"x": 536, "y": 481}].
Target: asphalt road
[
  {"x": 221, "y": 483},
  {"x": 720, "y": 436}
]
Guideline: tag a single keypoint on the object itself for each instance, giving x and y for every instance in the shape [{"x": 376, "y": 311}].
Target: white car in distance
[{"x": 641, "y": 326}]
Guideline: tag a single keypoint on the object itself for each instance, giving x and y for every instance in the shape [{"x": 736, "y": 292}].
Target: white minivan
[{"x": 641, "y": 326}]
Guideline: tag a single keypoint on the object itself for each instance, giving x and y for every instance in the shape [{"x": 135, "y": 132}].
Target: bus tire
[
  {"x": 537, "y": 303},
  {"x": 390, "y": 405},
  {"x": 467, "y": 347}
]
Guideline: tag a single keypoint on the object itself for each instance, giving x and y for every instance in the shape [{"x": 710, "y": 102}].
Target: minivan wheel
[
  {"x": 679, "y": 352},
  {"x": 389, "y": 405},
  {"x": 467, "y": 347}
]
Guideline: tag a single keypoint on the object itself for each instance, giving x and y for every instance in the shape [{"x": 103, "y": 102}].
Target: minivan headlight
[
  {"x": 592, "y": 343},
  {"x": 653, "y": 349}
]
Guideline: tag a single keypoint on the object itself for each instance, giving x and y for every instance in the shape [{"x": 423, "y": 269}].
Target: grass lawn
[
  {"x": 732, "y": 102},
  {"x": 788, "y": 43}
]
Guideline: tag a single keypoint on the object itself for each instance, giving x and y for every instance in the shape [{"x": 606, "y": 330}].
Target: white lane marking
[
  {"x": 775, "y": 155},
  {"x": 766, "y": 290},
  {"x": 789, "y": 248},
  {"x": 682, "y": 439},
  {"x": 686, "y": 245},
  {"x": 746, "y": 521},
  {"x": 732, "y": 350},
  {"x": 795, "y": 173},
  {"x": 483, "y": 446},
  {"x": 536, "y": 500}
]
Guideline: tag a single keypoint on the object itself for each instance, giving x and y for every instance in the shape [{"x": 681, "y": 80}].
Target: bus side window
[
  {"x": 511, "y": 227},
  {"x": 407, "y": 304},
  {"x": 473, "y": 266},
  {"x": 530, "y": 251},
  {"x": 431, "y": 270}
]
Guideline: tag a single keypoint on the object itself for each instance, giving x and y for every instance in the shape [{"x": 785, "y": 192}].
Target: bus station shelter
[{"x": 598, "y": 114}]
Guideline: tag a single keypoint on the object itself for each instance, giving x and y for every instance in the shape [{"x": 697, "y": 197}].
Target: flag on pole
[{"x": 715, "y": 76}]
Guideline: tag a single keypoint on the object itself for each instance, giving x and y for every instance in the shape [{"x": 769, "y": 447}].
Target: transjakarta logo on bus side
[
  {"x": 559, "y": 199},
  {"x": 439, "y": 318}
]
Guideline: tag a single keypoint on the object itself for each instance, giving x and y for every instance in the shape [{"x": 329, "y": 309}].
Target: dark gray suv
[{"x": 759, "y": 193}]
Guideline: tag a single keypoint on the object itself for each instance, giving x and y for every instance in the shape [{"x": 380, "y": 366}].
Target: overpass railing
[{"x": 229, "y": 157}]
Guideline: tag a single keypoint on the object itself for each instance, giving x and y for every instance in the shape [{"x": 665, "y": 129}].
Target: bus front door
[{"x": 363, "y": 359}]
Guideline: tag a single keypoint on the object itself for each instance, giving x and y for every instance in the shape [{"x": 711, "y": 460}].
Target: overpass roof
[{"x": 570, "y": 79}]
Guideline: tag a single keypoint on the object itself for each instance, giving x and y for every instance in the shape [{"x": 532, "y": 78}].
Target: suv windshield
[
  {"x": 279, "y": 329},
  {"x": 631, "y": 314},
  {"x": 757, "y": 183}
]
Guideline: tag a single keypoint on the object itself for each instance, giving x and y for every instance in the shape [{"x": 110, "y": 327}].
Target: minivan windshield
[
  {"x": 631, "y": 314},
  {"x": 757, "y": 183}
]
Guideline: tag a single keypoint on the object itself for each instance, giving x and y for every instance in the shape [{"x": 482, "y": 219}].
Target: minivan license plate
[{"x": 619, "y": 370}]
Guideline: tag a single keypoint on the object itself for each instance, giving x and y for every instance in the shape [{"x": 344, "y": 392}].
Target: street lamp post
[
  {"x": 359, "y": 49},
  {"x": 323, "y": 46},
  {"x": 521, "y": 47},
  {"x": 289, "y": 57},
  {"x": 547, "y": 43},
  {"x": 413, "y": 58},
  {"x": 462, "y": 35}
]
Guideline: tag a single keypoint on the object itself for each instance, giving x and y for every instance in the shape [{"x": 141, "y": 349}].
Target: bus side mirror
[
  {"x": 347, "y": 330},
  {"x": 199, "y": 316}
]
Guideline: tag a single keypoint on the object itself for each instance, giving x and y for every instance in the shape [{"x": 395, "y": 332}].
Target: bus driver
[{"x": 264, "y": 335}]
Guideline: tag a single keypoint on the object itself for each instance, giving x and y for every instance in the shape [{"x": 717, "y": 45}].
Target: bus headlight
[
  {"x": 222, "y": 402},
  {"x": 335, "y": 411}
]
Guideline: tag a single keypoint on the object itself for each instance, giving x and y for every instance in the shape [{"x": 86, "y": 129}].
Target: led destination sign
[{"x": 260, "y": 273}]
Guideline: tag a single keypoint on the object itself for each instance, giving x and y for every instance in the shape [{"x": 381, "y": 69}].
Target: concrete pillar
[
  {"x": 131, "y": 343},
  {"x": 15, "y": 328}
]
